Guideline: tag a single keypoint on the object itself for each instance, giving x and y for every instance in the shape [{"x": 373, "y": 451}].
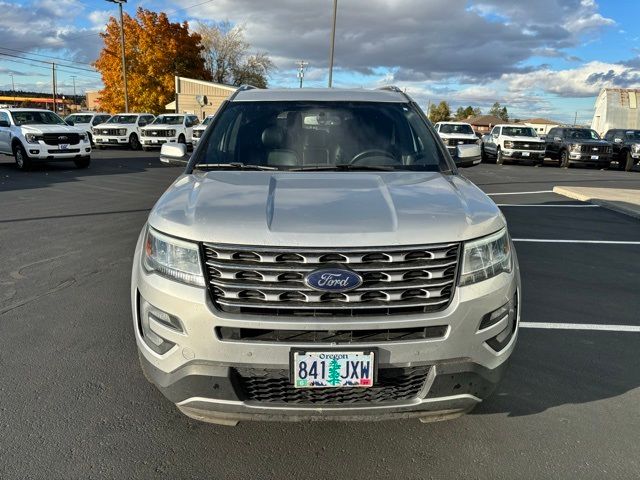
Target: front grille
[
  {"x": 339, "y": 337},
  {"x": 61, "y": 138},
  {"x": 68, "y": 150},
  {"x": 113, "y": 132},
  {"x": 274, "y": 386},
  {"x": 269, "y": 281},
  {"x": 454, "y": 142},
  {"x": 529, "y": 145},
  {"x": 595, "y": 149},
  {"x": 156, "y": 133}
]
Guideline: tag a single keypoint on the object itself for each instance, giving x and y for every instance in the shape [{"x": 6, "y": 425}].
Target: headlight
[
  {"x": 173, "y": 258},
  {"x": 122, "y": 131},
  {"x": 486, "y": 258},
  {"x": 636, "y": 147},
  {"x": 83, "y": 137},
  {"x": 576, "y": 147},
  {"x": 32, "y": 137},
  {"x": 508, "y": 144},
  {"x": 143, "y": 133}
]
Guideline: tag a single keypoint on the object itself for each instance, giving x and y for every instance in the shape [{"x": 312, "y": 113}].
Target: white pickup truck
[
  {"x": 199, "y": 130},
  {"x": 513, "y": 142},
  {"x": 461, "y": 141},
  {"x": 170, "y": 128},
  {"x": 122, "y": 129},
  {"x": 87, "y": 120},
  {"x": 33, "y": 135}
]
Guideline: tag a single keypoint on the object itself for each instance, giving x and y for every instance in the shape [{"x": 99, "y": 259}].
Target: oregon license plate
[
  {"x": 525, "y": 154},
  {"x": 594, "y": 157},
  {"x": 63, "y": 146},
  {"x": 333, "y": 369}
]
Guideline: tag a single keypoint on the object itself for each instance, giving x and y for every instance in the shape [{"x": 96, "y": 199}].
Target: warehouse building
[
  {"x": 199, "y": 97},
  {"x": 616, "y": 108}
]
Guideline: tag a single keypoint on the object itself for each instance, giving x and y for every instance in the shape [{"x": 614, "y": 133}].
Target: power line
[
  {"x": 46, "y": 67},
  {"x": 44, "y": 56},
  {"x": 47, "y": 62}
]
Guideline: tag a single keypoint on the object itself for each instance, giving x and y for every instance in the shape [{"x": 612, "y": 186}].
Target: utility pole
[
  {"x": 75, "y": 100},
  {"x": 13, "y": 88},
  {"x": 124, "y": 61},
  {"x": 301, "y": 66},
  {"x": 53, "y": 81},
  {"x": 575, "y": 119},
  {"x": 333, "y": 42}
]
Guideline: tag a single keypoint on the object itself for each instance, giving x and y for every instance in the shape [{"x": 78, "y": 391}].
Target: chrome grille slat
[{"x": 270, "y": 281}]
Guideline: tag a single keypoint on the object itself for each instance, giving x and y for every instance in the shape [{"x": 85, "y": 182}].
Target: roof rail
[
  {"x": 393, "y": 88},
  {"x": 241, "y": 88}
]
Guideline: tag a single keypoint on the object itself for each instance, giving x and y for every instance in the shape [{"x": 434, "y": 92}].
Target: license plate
[
  {"x": 154, "y": 140},
  {"x": 333, "y": 369},
  {"x": 63, "y": 146},
  {"x": 525, "y": 154},
  {"x": 594, "y": 157}
]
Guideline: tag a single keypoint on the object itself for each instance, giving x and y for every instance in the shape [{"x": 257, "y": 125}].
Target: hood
[
  {"x": 323, "y": 209},
  {"x": 523, "y": 139},
  {"x": 589, "y": 141},
  {"x": 470, "y": 136},
  {"x": 51, "y": 129}
]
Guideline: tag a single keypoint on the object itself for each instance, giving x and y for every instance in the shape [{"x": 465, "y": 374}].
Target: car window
[
  {"x": 519, "y": 132},
  {"x": 169, "y": 120},
  {"x": 609, "y": 135},
  {"x": 495, "y": 131},
  {"x": 633, "y": 135},
  {"x": 124, "y": 119},
  {"x": 4, "y": 116},
  {"x": 36, "y": 117},
  {"x": 80, "y": 118},
  {"x": 581, "y": 134},
  {"x": 207, "y": 121},
  {"x": 454, "y": 128},
  {"x": 312, "y": 134}
]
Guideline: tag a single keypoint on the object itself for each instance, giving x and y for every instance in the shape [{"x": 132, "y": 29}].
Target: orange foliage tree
[{"x": 156, "y": 51}]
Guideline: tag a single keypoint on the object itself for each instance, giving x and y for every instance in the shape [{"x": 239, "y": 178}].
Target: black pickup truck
[
  {"x": 577, "y": 145},
  {"x": 626, "y": 147}
]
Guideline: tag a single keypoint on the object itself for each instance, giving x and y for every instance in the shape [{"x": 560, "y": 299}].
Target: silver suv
[{"x": 321, "y": 258}]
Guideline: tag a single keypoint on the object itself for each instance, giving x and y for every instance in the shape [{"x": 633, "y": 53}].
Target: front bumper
[
  {"x": 44, "y": 152},
  {"x": 150, "y": 142},
  {"x": 524, "y": 154},
  {"x": 104, "y": 140},
  {"x": 600, "y": 159},
  {"x": 466, "y": 155},
  {"x": 199, "y": 373}
]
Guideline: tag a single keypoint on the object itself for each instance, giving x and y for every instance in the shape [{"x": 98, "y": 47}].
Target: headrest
[
  {"x": 316, "y": 138},
  {"x": 273, "y": 137}
]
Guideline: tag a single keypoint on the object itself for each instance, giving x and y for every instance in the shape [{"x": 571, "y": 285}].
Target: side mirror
[
  {"x": 557, "y": 139},
  {"x": 175, "y": 154},
  {"x": 69, "y": 122},
  {"x": 617, "y": 140},
  {"x": 4, "y": 123}
]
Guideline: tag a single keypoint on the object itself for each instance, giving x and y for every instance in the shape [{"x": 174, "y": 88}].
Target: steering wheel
[{"x": 371, "y": 153}]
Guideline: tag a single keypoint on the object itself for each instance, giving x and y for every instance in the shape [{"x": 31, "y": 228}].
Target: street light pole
[
  {"x": 124, "y": 62},
  {"x": 75, "y": 100},
  {"x": 333, "y": 42},
  {"x": 301, "y": 66},
  {"x": 13, "y": 89}
]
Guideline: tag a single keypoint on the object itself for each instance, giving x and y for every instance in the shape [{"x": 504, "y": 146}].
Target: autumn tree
[
  {"x": 227, "y": 55},
  {"x": 440, "y": 112},
  {"x": 156, "y": 51}
]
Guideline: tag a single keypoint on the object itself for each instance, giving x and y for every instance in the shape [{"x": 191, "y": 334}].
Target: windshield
[
  {"x": 581, "y": 134},
  {"x": 35, "y": 117},
  {"x": 207, "y": 121},
  {"x": 80, "y": 118},
  {"x": 295, "y": 135},
  {"x": 633, "y": 135},
  {"x": 453, "y": 128},
  {"x": 126, "y": 119},
  {"x": 518, "y": 132},
  {"x": 169, "y": 120}
]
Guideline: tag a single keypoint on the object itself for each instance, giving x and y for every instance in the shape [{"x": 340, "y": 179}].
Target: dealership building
[
  {"x": 199, "y": 97},
  {"x": 616, "y": 108}
]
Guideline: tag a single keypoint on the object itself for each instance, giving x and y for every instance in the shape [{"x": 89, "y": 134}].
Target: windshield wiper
[
  {"x": 232, "y": 166},
  {"x": 345, "y": 167}
]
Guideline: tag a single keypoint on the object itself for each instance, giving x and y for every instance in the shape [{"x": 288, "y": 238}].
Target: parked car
[
  {"x": 322, "y": 258},
  {"x": 122, "y": 129},
  {"x": 169, "y": 128},
  {"x": 461, "y": 141},
  {"x": 33, "y": 135},
  {"x": 198, "y": 130},
  {"x": 577, "y": 145},
  {"x": 513, "y": 142},
  {"x": 626, "y": 147},
  {"x": 86, "y": 121}
]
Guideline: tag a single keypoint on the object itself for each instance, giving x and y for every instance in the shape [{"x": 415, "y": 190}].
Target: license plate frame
[
  {"x": 595, "y": 157},
  {"x": 63, "y": 146},
  {"x": 295, "y": 352},
  {"x": 526, "y": 154}
]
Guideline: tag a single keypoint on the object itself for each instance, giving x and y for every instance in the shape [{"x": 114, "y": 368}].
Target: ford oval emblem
[{"x": 333, "y": 280}]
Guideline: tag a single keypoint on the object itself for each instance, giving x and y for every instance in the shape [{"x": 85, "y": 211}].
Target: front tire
[
  {"x": 564, "y": 159},
  {"x": 627, "y": 164},
  {"x": 483, "y": 155},
  {"x": 134, "y": 143},
  {"x": 82, "y": 162},
  {"x": 182, "y": 140},
  {"x": 23, "y": 162},
  {"x": 499, "y": 157}
]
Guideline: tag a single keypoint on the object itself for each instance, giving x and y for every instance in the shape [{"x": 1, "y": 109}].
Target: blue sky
[{"x": 539, "y": 58}]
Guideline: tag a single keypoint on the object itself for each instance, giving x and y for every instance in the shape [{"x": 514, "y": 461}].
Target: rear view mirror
[
  {"x": 617, "y": 140},
  {"x": 557, "y": 139},
  {"x": 175, "y": 154}
]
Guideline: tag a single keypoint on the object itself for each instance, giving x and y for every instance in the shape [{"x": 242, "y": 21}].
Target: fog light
[
  {"x": 34, "y": 152},
  {"x": 153, "y": 340},
  {"x": 502, "y": 339}
]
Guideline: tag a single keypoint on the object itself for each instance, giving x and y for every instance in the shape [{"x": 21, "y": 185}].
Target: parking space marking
[
  {"x": 551, "y": 240},
  {"x": 581, "y": 326},
  {"x": 519, "y": 193},
  {"x": 586, "y": 205}
]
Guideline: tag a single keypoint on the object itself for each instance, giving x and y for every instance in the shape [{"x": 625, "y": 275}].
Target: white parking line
[
  {"x": 587, "y": 205},
  {"x": 550, "y": 240},
  {"x": 519, "y": 193},
  {"x": 581, "y": 326}
]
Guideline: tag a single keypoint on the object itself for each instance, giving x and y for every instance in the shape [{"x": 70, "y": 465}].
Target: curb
[{"x": 633, "y": 211}]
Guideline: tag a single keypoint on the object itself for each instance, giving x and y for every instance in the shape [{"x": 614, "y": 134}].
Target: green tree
[
  {"x": 334, "y": 372},
  {"x": 499, "y": 111},
  {"x": 464, "y": 113},
  {"x": 440, "y": 112}
]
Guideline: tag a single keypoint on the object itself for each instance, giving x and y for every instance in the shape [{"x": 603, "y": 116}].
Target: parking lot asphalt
[{"x": 74, "y": 403}]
